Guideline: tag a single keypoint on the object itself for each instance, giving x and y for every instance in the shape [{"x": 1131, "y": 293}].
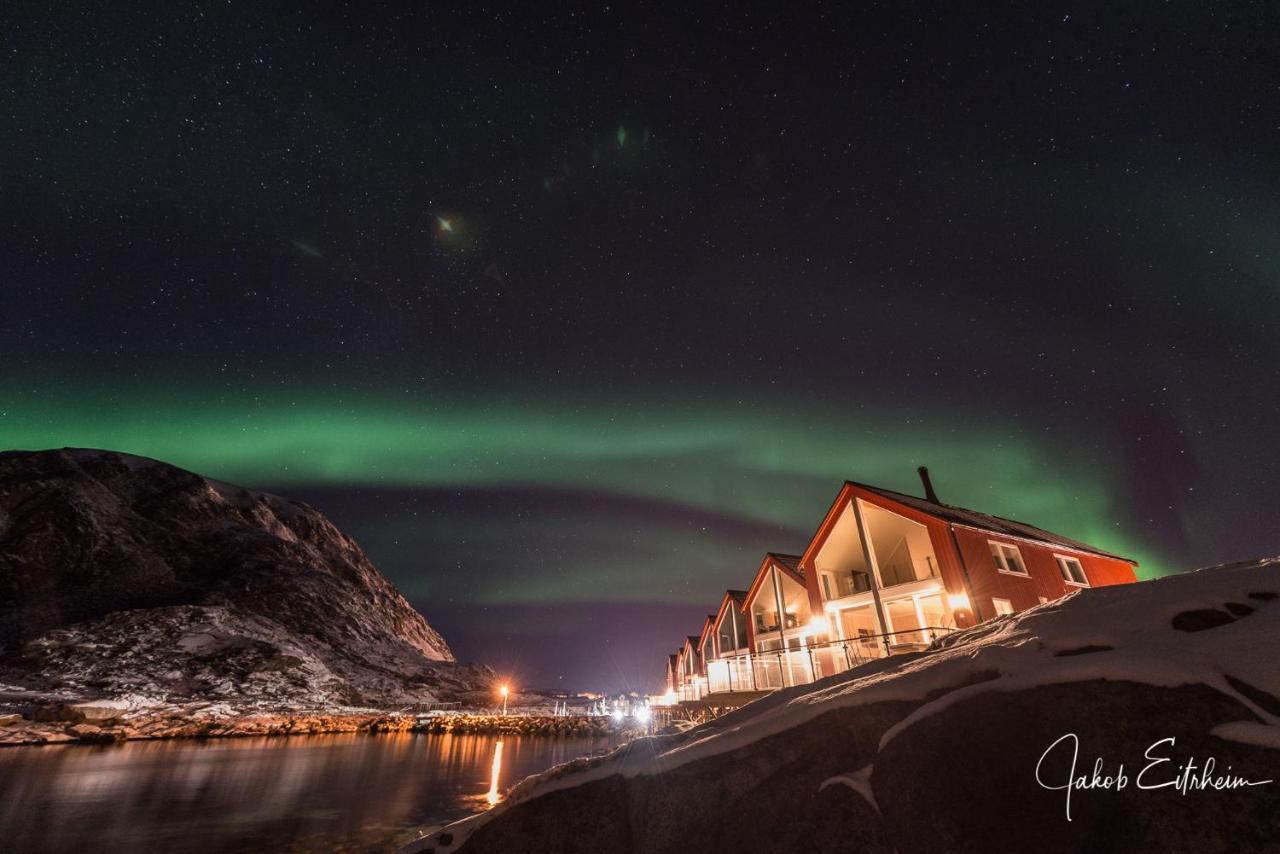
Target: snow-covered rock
[
  {"x": 967, "y": 747},
  {"x": 125, "y": 577}
]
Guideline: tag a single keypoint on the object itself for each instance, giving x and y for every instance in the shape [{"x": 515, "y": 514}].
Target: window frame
[
  {"x": 1059, "y": 558},
  {"x": 999, "y": 558},
  {"x": 1007, "y": 602}
]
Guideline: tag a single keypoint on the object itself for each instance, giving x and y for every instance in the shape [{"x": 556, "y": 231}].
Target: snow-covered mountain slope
[
  {"x": 967, "y": 747},
  {"x": 123, "y": 575}
]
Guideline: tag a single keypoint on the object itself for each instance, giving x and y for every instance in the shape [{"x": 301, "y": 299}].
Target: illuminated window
[
  {"x": 1072, "y": 571},
  {"x": 1007, "y": 558},
  {"x": 1002, "y": 606}
]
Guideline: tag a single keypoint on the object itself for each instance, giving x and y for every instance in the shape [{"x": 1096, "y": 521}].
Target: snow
[
  {"x": 1054, "y": 643},
  {"x": 1249, "y": 732},
  {"x": 859, "y": 781}
]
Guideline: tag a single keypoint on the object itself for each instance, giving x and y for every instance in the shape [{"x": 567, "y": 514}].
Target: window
[
  {"x": 826, "y": 586},
  {"x": 1002, "y": 606},
  {"x": 1007, "y": 558},
  {"x": 1072, "y": 571}
]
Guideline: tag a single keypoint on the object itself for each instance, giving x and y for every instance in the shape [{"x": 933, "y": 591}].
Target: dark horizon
[{"x": 567, "y": 317}]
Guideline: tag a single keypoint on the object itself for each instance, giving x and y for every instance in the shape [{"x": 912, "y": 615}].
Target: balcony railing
[{"x": 765, "y": 671}]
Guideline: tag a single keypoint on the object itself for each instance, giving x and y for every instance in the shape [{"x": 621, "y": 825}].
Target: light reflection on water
[
  {"x": 492, "y": 795},
  {"x": 316, "y": 793}
]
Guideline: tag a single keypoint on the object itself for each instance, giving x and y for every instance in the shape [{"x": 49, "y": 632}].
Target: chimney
[{"x": 929, "y": 494}]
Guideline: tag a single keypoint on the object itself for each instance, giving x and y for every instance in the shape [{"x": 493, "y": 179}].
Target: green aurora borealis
[
  {"x": 567, "y": 315},
  {"x": 770, "y": 464}
]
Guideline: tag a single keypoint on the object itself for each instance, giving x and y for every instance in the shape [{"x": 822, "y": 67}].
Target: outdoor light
[
  {"x": 503, "y": 691},
  {"x": 618, "y": 714},
  {"x": 669, "y": 698},
  {"x": 642, "y": 714},
  {"x": 957, "y": 601},
  {"x": 819, "y": 626}
]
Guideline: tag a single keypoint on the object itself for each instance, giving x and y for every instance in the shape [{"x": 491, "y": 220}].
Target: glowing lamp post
[{"x": 504, "y": 691}]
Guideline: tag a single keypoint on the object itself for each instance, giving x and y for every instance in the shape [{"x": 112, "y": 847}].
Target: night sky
[{"x": 568, "y": 316}]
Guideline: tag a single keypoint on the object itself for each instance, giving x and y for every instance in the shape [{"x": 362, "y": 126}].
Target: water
[{"x": 348, "y": 792}]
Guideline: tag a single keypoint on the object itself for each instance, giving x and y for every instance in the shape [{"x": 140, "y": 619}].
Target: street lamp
[{"x": 503, "y": 692}]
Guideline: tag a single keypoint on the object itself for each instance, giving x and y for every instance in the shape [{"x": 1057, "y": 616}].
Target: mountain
[
  {"x": 125, "y": 576},
  {"x": 967, "y": 747}
]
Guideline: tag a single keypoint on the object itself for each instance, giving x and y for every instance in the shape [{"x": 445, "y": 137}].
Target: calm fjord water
[{"x": 309, "y": 793}]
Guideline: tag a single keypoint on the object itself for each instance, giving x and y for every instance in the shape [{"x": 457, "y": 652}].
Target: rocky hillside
[
  {"x": 123, "y": 576},
  {"x": 940, "y": 751}
]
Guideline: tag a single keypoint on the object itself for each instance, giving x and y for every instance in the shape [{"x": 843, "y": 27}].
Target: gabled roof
[
  {"x": 789, "y": 564},
  {"x": 985, "y": 521},
  {"x": 708, "y": 625},
  {"x": 736, "y": 598}
]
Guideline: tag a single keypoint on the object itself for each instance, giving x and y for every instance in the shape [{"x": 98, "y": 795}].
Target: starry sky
[{"x": 568, "y": 315}]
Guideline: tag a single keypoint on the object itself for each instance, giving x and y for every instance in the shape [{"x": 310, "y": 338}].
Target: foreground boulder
[
  {"x": 123, "y": 577},
  {"x": 968, "y": 747}
]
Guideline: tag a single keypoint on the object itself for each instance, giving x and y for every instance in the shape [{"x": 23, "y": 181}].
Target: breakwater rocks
[
  {"x": 550, "y": 725},
  {"x": 98, "y": 725},
  {"x": 90, "y": 724}
]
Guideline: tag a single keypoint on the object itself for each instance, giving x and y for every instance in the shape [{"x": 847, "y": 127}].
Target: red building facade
[{"x": 885, "y": 572}]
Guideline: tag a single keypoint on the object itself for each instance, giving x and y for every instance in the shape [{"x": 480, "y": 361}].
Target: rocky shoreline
[
  {"x": 526, "y": 724},
  {"x": 96, "y": 724}
]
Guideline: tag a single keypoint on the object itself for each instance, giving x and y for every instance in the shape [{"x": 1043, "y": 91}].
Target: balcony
[
  {"x": 764, "y": 671},
  {"x": 904, "y": 568},
  {"x": 844, "y": 583},
  {"x": 768, "y": 622}
]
